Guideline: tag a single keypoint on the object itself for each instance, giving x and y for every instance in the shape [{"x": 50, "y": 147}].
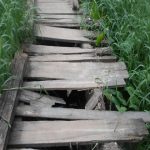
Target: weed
[{"x": 16, "y": 20}]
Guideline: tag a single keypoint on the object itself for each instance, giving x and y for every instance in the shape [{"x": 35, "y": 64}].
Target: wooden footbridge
[{"x": 54, "y": 99}]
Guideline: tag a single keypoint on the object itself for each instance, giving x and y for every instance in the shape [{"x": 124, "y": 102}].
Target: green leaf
[
  {"x": 100, "y": 38},
  {"x": 121, "y": 109}
]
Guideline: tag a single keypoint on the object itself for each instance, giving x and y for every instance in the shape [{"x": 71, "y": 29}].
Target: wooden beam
[
  {"x": 78, "y": 114},
  {"x": 48, "y": 50},
  {"x": 9, "y": 98},
  {"x": 56, "y": 133},
  {"x": 72, "y": 58},
  {"x": 38, "y": 100},
  {"x": 71, "y": 84},
  {"x": 44, "y": 32},
  {"x": 93, "y": 98}
]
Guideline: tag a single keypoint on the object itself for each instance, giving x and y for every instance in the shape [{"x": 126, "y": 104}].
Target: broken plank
[
  {"x": 72, "y": 58},
  {"x": 62, "y": 25},
  {"x": 93, "y": 98},
  {"x": 63, "y": 11},
  {"x": 79, "y": 114},
  {"x": 57, "y": 133},
  {"x": 63, "y": 21},
  {"x": 70, "y": 84},
  {"x": 9, "y": 98},
  {"x": 60, "y": 34},
  {"x": 47, "y": 50},
  {"x": 38, "y": 99}
]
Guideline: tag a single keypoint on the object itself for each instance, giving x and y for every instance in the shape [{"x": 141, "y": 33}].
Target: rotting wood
[
  {"x": 72, "y": 58},
  {"x": 79, "y": 114},
  {"x": 9, "y": 98},
  {"x": 93, "y": 98},
  {"x": 22, "y": 149},
  {"x": 51, "y": 1},
  {"x": 37, "y": 99},
  {"x": 61, "y": 34},
  {"x": 75, "y": 5},
  {"x": 111, "y": 146},
  {"x": 49, "y": 16},
  {"x": 57, "y": 133},
  {"x": 86, "y": 46},
  {"x": 71, "y": 84},
  {"x": 47, "y": 50},
  {"x": 103, "y": 72},
  {"x": 62, "y": 25}
]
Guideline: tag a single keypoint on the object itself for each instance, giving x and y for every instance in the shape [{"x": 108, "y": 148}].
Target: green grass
[
  {"x": 16, "y": 20},
  {"x": 126, "y": 25}
]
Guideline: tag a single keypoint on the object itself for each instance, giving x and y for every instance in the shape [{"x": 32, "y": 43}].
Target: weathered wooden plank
[
  {"x": 51, "y": 1},
  {"x": 21, "y": 149},
  {"x": 111, "y": 146},
  {"x": 37, "y": 99},
  {"x": 58, "y": 9},
  {"x": 75, "y": 4},
  {"x": 76, "y": 71},
  {"x": 79, "y": 114},
  {"x": 49, "y": 16},
  {"x": 27, "y": 134},
  {"x": 67, "y": 21},
  {"x": 47, "y": 50},
  {"x": 62, "y": 25},
  {"x": 93, "y": 98},
  {"x": 72, "y": 58},
  {"x": 71, "y": 84},
  {"x": 9, "y": 98},
  {"x": 60, "y": 34}
]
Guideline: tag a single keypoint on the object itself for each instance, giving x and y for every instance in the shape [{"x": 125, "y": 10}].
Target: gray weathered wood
[
  {"x": 22, "y": 149},
  {"x": 111, "y": 146},
  {"x": 72, "y": 58},
  {"x": 49, "y": 16},
  {"x": 79, "y": 114},
  {"x": 94, "y": 98},
  {"x": 77, "y": 71},
  {"x": 9, "y": 98},
  {"x": 50, "y": 133},
  {"x": 61, "y": 34},
  {"x": 47, "y": 50},
  {"x": 75, "y": 4},
  {"x": 37, "y": 99},
  {"x": 71, "y": 84}
]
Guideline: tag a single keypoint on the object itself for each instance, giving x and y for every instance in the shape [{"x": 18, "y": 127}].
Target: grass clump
[
  {"x": 126, "y": 25},
  {"x": 16, "y": 19}
]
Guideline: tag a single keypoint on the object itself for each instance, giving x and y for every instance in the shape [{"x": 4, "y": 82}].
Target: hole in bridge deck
[{"x": 56, "y": 43}]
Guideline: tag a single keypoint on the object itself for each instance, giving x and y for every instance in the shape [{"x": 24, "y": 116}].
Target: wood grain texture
[
  {"x": 47, "y": 50},
  {"x": 71, "y": 84},
  {"x": 38, "y": 100},
  {"x": 9, "y": 98},
  {"x": 89, "y": 71},
  {"x": 72, "y": 58},
  {"x": 28, "y": 134},
  {"x": 60, "y": 34},
  {"x": 49, "y": 16},
  {"x": 93, "y": 98},
  {"x": 79, "y": 114}
]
